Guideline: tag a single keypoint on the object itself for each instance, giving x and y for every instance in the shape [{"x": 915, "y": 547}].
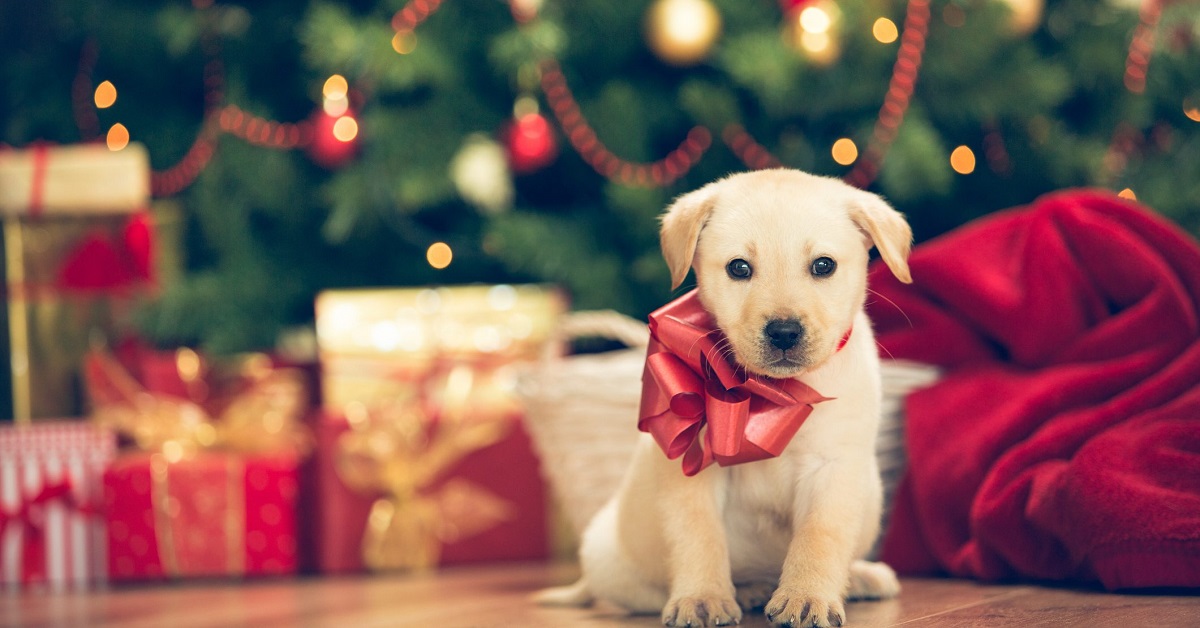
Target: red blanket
[{"x": 1063, "y": 442}]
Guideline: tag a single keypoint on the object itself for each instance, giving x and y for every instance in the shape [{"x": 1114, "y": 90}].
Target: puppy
[{"x": 780, "y": 258}]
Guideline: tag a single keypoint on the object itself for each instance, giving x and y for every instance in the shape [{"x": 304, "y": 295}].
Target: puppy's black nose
[{"x": 783, "y": 334}]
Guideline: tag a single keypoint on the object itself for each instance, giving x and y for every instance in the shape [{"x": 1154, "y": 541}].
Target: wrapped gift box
[
  {"x": 51, "y": 529},
  {"x": 80, "y": 248},
  {"x": 211, "y": 514},
  {"x": 209, "y": 484},
  {"x": 422, "y": 458},
  {"x": 489, "y": 505}
]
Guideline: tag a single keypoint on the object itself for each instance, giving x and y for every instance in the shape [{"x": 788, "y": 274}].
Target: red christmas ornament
[
  {"x": 334, "y": 139},
  {"x": 530, "y": 143}
]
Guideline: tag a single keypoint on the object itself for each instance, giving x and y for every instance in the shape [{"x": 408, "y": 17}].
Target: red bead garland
[
  {"x": 747, "y": 149},
  {"x": 899, "y": 94},
  {"x": 660, "y": 173},
  {"x": 1142, "y": 46}
]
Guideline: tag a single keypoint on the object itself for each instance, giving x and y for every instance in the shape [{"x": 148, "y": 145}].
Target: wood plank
[{"x": 481, "y": 597}]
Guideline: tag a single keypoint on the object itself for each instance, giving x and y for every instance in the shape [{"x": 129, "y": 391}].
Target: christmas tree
[{"x": 325, "y": 144}]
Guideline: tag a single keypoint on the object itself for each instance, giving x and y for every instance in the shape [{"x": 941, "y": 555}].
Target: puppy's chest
[{"x": 762, "y": 494}]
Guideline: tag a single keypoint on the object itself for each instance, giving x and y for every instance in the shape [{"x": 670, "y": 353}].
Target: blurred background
[{"x": 313, "y": 144}]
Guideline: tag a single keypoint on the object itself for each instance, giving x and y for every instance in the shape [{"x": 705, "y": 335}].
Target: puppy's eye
[
  {"x": 739, "y": 269},
  {"x": 823, "y": 266}
]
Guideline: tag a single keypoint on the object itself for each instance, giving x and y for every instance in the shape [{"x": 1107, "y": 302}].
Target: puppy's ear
[
  {"x": 887, "y": 230},
  {"x": 681, "y": 227}
]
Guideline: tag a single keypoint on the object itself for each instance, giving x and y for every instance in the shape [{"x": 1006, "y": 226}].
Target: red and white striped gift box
[{"x": 51, "y": 530}]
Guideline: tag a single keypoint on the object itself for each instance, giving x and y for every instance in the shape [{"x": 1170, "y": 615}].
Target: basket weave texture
[{"x": 581, "y": 412}]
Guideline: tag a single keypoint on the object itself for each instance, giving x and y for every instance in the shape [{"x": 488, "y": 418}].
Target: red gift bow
[
  {"x": 31, "y": 516},
  {"x": 98, "y": 263},
  {"x": 689, "y": 383}
]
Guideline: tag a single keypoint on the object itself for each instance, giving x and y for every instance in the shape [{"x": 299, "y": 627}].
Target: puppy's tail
[{"x": 577, "y": 594}]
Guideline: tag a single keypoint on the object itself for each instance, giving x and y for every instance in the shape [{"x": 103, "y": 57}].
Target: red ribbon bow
[{"x": 690, "y": 383}]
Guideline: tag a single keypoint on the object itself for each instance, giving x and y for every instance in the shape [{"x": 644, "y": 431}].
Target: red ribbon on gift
[
  {"x": 690, "y": 384},
  {"x": 31, "y": 516},
  {"x": 102, "y": 263}
]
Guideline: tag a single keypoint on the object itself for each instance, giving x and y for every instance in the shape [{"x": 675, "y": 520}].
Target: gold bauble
[
  {"x": 682, "y": 32},
  {"x": 1026, "y": 15}
]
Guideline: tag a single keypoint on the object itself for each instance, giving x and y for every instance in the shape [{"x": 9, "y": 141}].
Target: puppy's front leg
[
  {"x": 701, "y": 586},
  {"x": 816, "y": 569}
]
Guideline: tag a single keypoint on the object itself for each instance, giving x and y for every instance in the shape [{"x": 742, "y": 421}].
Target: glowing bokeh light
[
  {"x": 845, "y": 151},
  {"x": 404, "y": 42},
  {"x": 439, "y": 255},
  {"x": 962, "y": 160},
  {"x": 815, "y": 20},
  {"x": 345, "y": 129},
  {"x": 885, "y": 31},
  {"x": 335, "y": 87},
  {"x": 106, "y": 95},
  {"x": 118, "y": 137}
]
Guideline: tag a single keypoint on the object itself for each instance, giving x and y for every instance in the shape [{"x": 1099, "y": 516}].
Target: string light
[
  {"x": 439, "y": 255},
  {"x": 345, "y": 129},
  {"x": 885, "y": 31},
  {"x": 404, "y": 42},
  {"x": 1191, "y": 107},
  {"x": 106, "y": 95},
  {"x": 845, "y": 151},
  {"x": 118, "y": 137},
  {"x": 962, "y": 160},
  {"x": 335, "y": 87},
  {"x": 815, "y": 20}
]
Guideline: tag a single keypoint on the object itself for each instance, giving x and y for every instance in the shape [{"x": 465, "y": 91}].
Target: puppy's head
[{"x": 781, "y": 261}]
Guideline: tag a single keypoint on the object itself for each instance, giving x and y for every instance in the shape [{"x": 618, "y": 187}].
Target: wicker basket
[{"x": 581, "y": 412}]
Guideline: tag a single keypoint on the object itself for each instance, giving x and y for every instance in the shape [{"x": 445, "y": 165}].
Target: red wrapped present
[
  {"x": 51, "y": 531},
  {"x": 211, "y": 514},
  {"x": 395, "y": 492},
  {"x": 422, "y": 459},
  {"x": 211, "y": 486}
]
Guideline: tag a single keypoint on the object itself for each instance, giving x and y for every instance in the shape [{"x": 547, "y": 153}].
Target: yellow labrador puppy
[{"x": 781, "y": 259}]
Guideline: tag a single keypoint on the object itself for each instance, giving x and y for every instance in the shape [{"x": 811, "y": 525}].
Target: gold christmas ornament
[
  {"x": 682, "y": 32},
  {"x": 814, "y": 29},
  {"x": 1026, "y": 15}
]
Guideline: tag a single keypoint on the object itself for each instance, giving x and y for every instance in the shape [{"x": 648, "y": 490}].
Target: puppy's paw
[
  {"x": 794, "y": 609},
  {"x": 753, "y": 595},
  {"x": 872, "y": 581},
  {"x": 712, "y": 610}
]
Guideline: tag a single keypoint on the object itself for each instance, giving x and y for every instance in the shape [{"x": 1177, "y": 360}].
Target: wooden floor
[{"x": 497, "y": 596}]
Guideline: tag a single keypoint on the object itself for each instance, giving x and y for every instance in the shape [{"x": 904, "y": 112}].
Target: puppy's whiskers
[{"x": 893, "y": 304}]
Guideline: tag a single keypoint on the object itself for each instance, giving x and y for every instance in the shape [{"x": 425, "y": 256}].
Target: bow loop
[{"x": 698, "y": 404}]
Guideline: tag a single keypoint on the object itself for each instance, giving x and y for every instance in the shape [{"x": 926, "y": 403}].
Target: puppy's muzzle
[{"x": 783, "y": 334}]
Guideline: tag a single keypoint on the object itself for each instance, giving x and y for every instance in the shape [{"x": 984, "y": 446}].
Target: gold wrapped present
[
  {"x": 421, "y": 456},
  {"x": 374, "y": 343},
  {"x": 80, "y": 249}
]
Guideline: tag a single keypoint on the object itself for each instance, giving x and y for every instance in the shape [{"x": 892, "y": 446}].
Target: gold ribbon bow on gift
[
  {"x": 401, "y": 452},
  {"x": 262, "y": 415}
]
